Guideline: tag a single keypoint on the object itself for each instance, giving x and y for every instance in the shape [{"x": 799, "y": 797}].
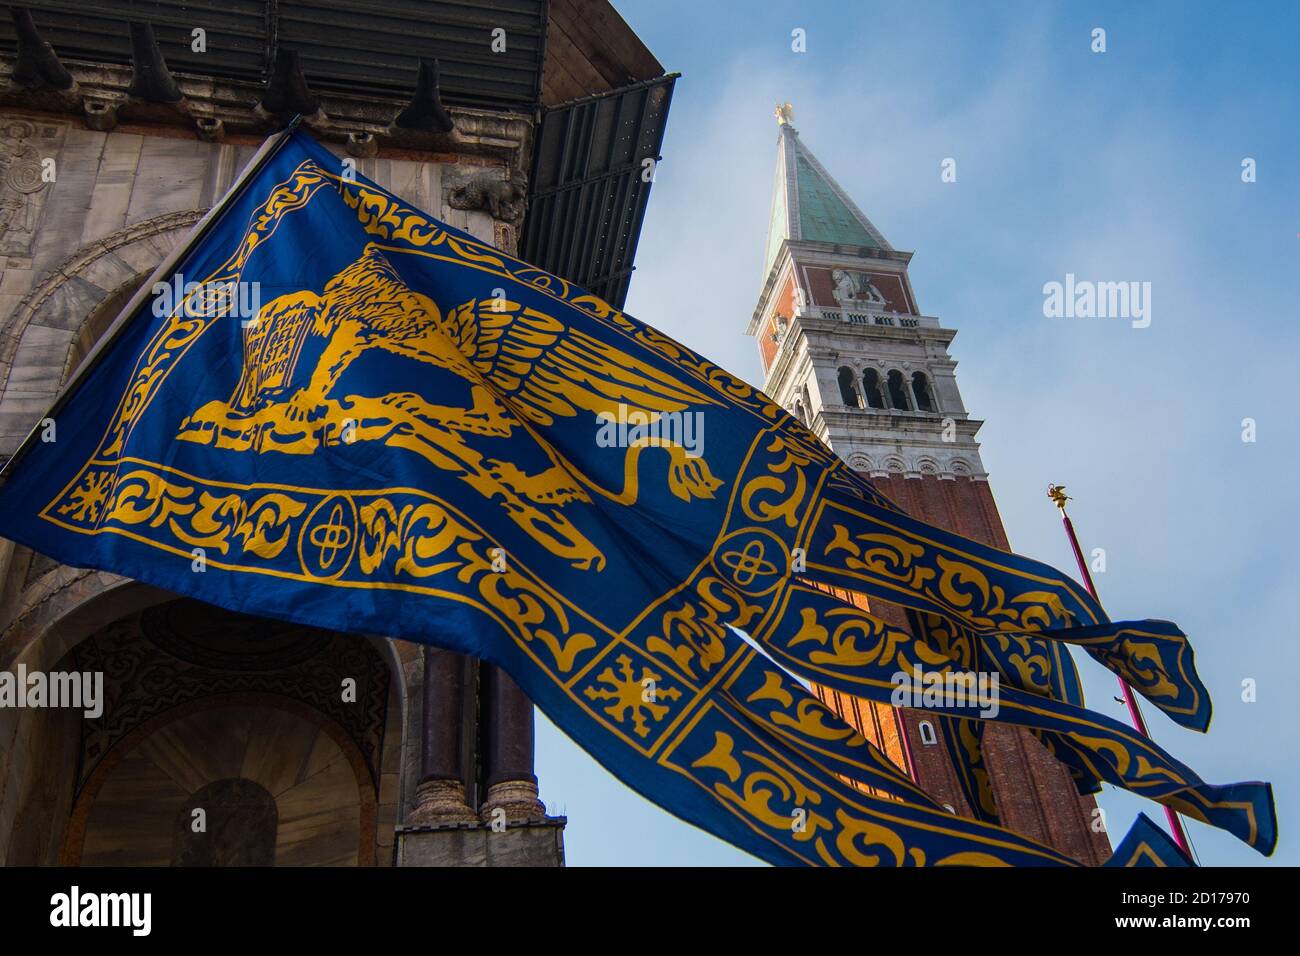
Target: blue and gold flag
[{"x": 415, "y": 434}]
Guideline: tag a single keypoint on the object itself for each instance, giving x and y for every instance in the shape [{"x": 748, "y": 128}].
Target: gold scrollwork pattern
[
  {"x": 954, "y": 587},
  {"x": 195, "y": 516}
]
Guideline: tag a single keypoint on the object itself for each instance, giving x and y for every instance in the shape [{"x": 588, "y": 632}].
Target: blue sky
[{"x": 1118, "y": 166}]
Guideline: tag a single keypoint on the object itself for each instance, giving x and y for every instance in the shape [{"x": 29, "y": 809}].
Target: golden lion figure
[{"x": 527, "y": 369}]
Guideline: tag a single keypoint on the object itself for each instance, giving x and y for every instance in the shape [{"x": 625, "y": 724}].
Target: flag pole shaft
[{"x": 1134, "y": 713}]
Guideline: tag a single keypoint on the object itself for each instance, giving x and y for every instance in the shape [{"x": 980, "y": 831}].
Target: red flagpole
[{"x": 1058, "y": 495}]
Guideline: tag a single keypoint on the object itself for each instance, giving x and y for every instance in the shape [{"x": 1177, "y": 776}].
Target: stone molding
[{"x": 61, "y": 302}]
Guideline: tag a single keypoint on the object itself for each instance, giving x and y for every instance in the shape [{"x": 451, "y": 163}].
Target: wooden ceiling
[
  {"x": 370, "y": 47},
  {"x": 591, "y": 49}
]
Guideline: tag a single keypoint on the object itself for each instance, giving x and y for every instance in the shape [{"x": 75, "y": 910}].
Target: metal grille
[{"x": 588, "y": 194}]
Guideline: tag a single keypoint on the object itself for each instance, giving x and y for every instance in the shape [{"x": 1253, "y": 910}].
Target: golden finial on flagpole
[
  {"x": 1059, "y": 498},
  {"x": 1058, "y": 495}
]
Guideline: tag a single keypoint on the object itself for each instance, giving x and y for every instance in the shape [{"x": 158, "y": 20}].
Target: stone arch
[
  {"x": 64, "y": 607},
  {"x": 860, "y": 462},
  {"x": 260, "y": 712},
  {"x": 847, "y": 382},
  {"x": 69, "y": 308},
  {"x": 67, "y": 605},
  {"x": 896, "y": 387},
  {"x": 927, "y": 466},
  {"x": 923, "y": 391},
  {"x": 872, "y": 388},
  {"x": 244, "y": 830},
  {"x": 39, "y": 746},
  {"x": 960, "y": 467},
  {"x": 98, "y": 321}
]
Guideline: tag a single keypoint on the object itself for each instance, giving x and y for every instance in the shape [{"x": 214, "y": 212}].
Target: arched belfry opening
[
  {"x": 898, "y": 391},
  {"x": 848, "y": 388},
  {"x": 871, "y": 389},
  {"x": 921, "y": 389}
]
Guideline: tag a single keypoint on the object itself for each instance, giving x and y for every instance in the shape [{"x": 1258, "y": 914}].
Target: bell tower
[{"x": 846, "y": 349}]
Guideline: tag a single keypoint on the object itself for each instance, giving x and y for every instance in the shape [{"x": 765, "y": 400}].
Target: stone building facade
[{"x": 298, "y": 746}]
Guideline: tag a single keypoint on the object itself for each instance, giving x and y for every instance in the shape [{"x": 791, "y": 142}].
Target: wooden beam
[{"x": 589, "y": 43}]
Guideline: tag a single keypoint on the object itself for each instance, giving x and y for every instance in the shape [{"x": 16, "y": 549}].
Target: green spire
[
  {"x": 823, "y": 215},
  {"x": 808, "y": 204},
  {"x": 777, "y": 230}
]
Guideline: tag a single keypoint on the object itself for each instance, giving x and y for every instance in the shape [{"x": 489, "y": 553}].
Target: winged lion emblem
[{"x": 526, "y": 369}]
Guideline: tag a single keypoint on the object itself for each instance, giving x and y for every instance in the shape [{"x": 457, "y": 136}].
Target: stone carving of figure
[
  {"x": 20, "y": 177},
  {"x": 854, "y": 288},
  {"x": 502, "y": 199},
  {"x": 867, "y": 290},
  {"x": 845, "y": 288}
]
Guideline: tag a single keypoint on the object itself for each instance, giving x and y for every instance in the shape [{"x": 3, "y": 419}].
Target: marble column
[
  {"x": 440, "y": 795},
  {"x": 508, "y": 746},
  {"x": 911, "y": 390}
]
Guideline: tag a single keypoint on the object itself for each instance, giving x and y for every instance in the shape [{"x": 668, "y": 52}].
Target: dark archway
[
  {"x": 848, "y": 393},
  {"x": 198, "y": 699},
  {"x": 921, "y": 389},
  {"x": 898, "y": 391},
  {"x": 871, "y": 389},
  {"x": 229, "y": 822}
]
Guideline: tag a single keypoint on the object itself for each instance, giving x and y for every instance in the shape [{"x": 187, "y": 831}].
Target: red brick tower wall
[{"x": 1034, "y": 792}]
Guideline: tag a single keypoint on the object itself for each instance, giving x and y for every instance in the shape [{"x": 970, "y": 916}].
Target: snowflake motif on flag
[
  {"x": 87, "y": 500},
  {"x": 627, "y": 692}
]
